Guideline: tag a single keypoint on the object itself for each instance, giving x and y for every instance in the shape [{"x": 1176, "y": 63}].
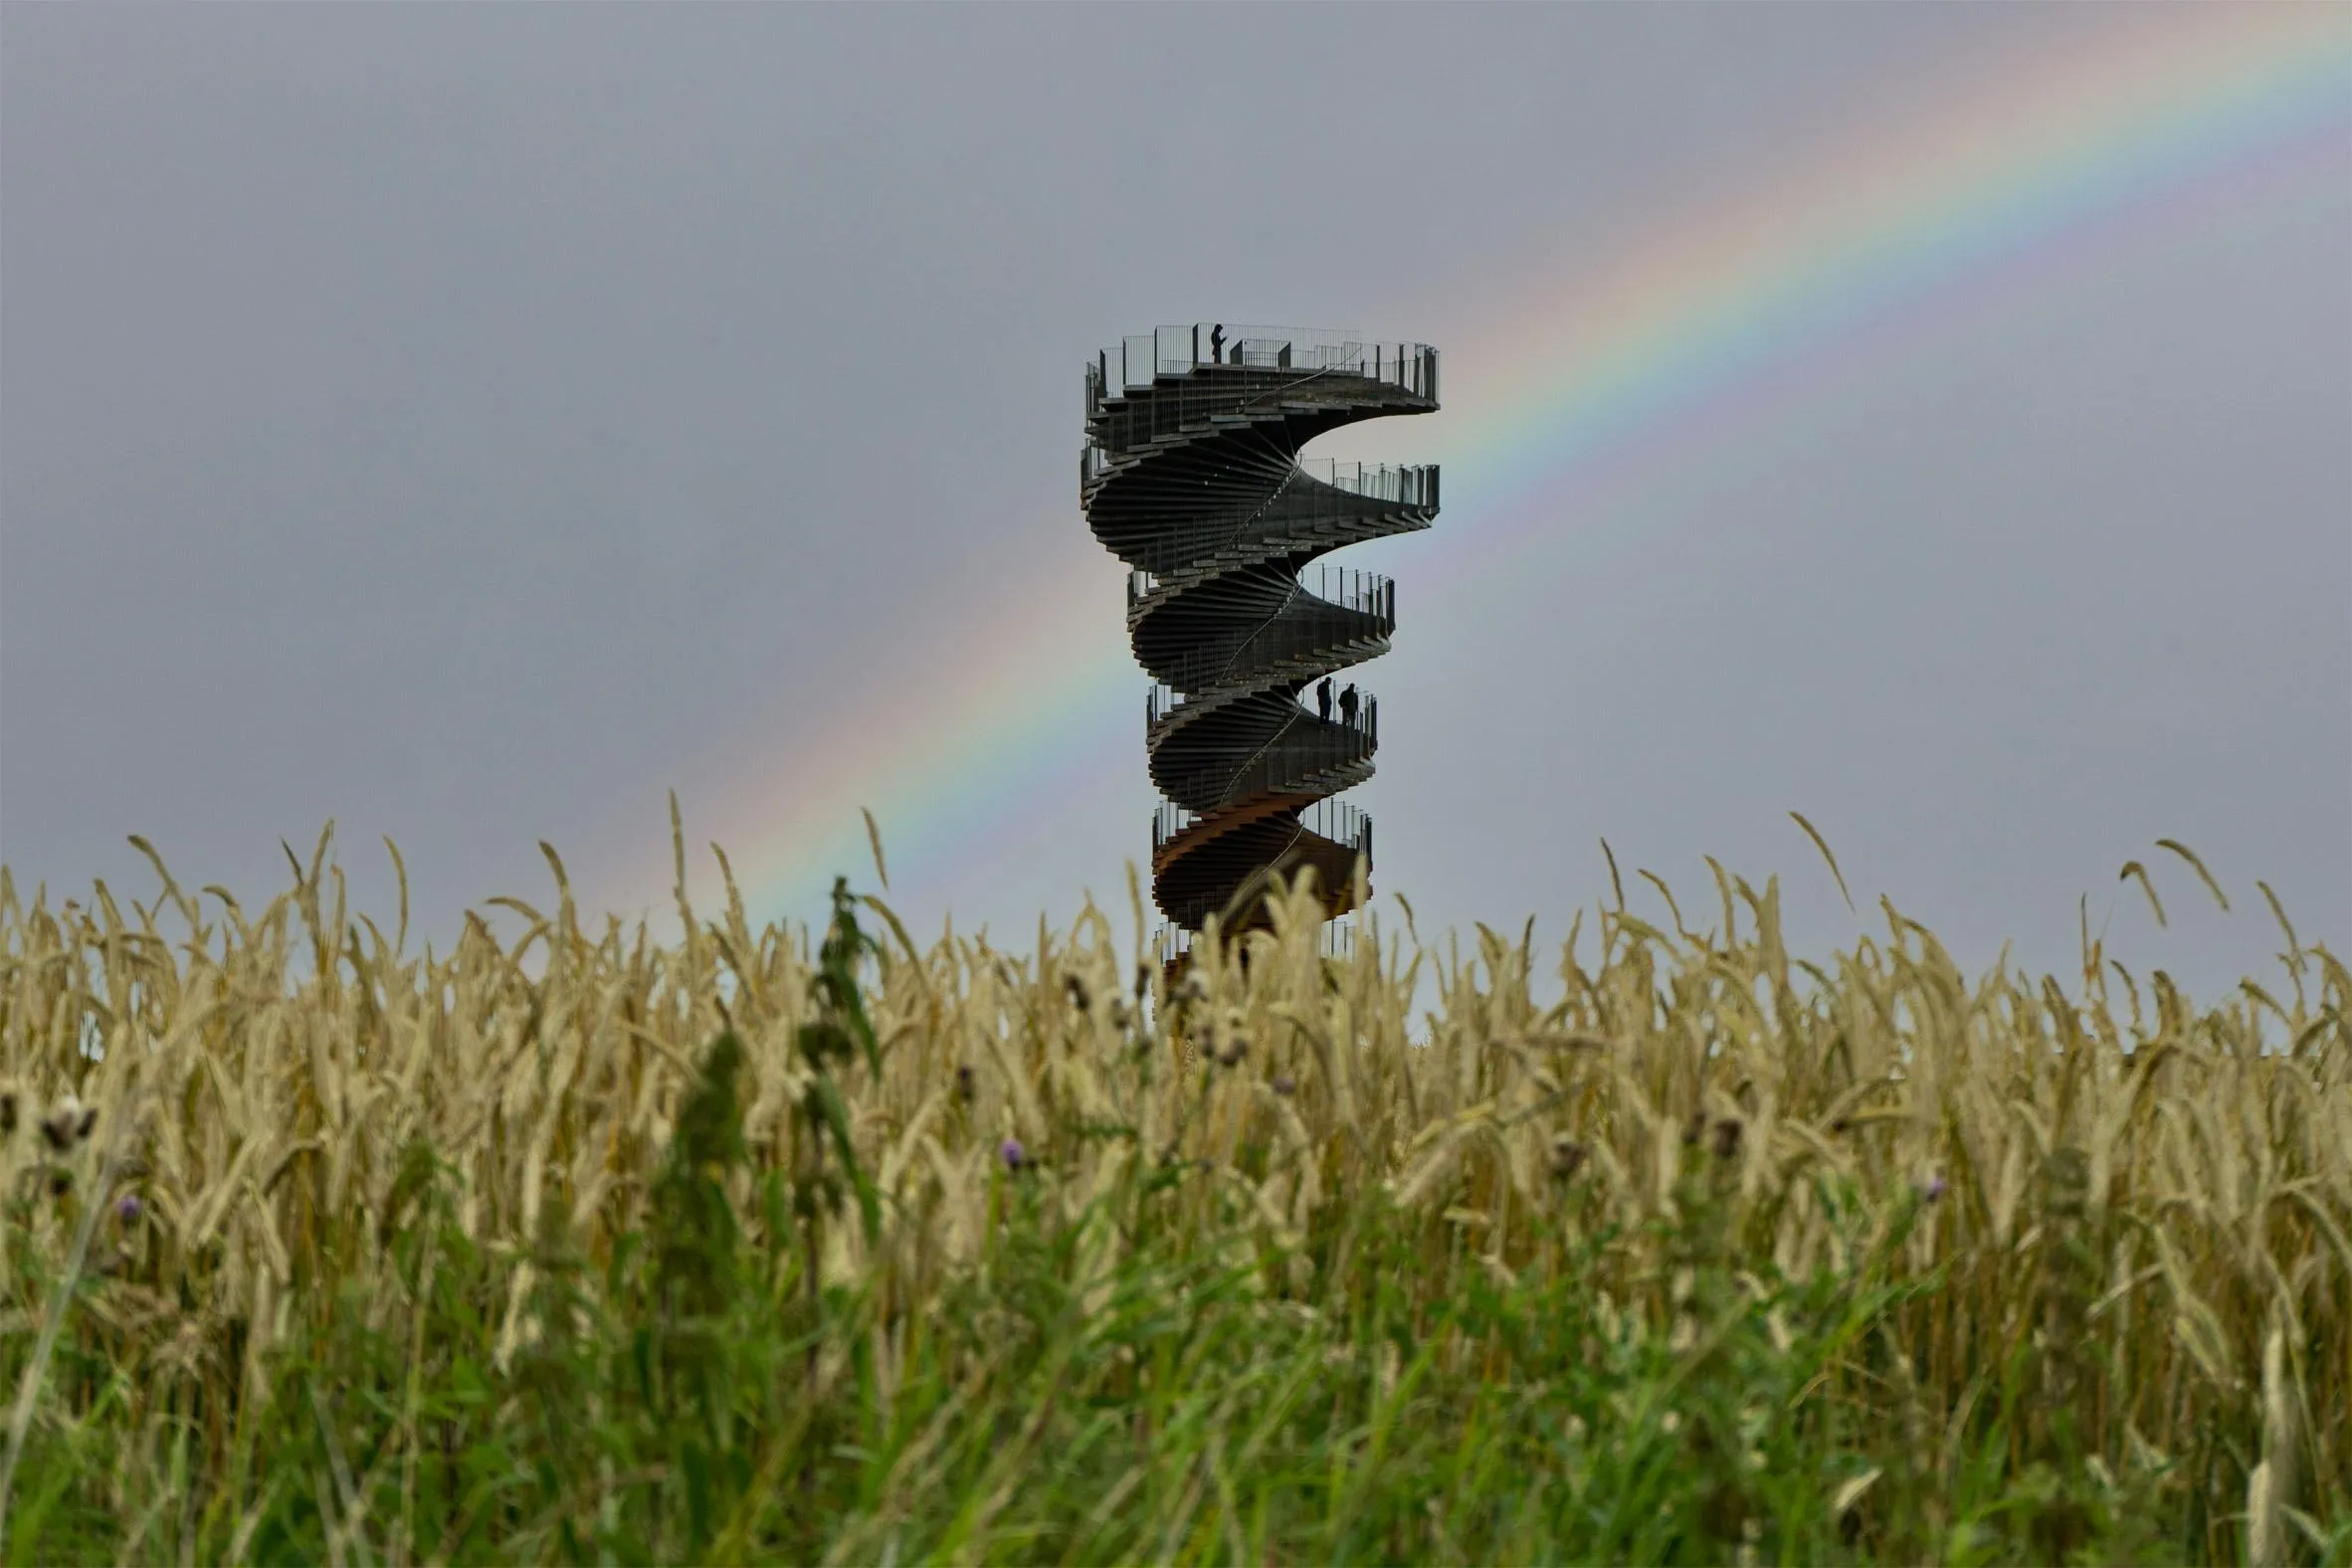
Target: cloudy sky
[{"x": 470, "y": 424}]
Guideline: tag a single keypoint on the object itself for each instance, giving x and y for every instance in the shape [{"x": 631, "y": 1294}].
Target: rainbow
[
  {"x": 1574, "y": 380},
  {"x": 1707, "y": 317}
]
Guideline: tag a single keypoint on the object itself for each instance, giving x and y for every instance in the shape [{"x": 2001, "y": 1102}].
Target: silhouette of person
[
  {"x": 1216, "y": 341},
  {"x": 1323, "y": 699},
  {"x": 1348, "y": 704}
]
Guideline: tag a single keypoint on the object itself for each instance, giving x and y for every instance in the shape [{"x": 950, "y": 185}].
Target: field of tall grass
[{"x": 818, "y": 1245}]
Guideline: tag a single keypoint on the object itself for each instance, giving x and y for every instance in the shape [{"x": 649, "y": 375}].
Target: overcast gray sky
[{"x": 472, "y": 423}]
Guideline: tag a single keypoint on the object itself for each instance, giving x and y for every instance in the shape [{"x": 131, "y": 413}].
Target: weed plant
[{"x": 788, "y": 1246}]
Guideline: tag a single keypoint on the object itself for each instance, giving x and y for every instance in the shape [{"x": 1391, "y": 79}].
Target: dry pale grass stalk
[{"x": 2149, "y": 1196}]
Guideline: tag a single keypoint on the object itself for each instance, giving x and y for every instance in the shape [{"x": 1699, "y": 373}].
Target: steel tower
[{"x": 1191, "y": 476}]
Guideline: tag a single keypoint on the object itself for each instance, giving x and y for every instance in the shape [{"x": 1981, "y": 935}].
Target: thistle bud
[
  {"x": 1727, "y": 1133},
  {"x": 66, "y": 1124}
]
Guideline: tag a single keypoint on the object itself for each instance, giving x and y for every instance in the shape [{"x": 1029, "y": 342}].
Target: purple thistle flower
[
  {"x": 127, "y": 1208},
  {"x": 1936, "y": 1187},
  {"x": 1013, "y": 1154}
]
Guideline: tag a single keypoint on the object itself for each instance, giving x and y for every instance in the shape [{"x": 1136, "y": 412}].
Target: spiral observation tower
[{"x": 1191, "y": 476}]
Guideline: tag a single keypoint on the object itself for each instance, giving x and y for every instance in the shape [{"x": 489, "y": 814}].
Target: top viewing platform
[{"x": 1215, "y": 349}]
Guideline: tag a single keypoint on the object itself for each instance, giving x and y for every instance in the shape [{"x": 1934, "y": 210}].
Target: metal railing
[
  {"x": 1335, "y": 820},
  {"x": 1169, "y": 820},
  {"x": 1297, "y": 631},
  {"x": 1366, "y": 593},
  {"x": 1161, "y": 701},
  {"x": 1143, "y": 359},
  {"x": 1400, "y": 485},
  {"x": 1201, "y": 545},
  {"x": 1408, "y": 485},
  {"x": 1289, "y": 761},
  {"x": 1170, "y": 941},
  {"x": 1340, "y": 821}
]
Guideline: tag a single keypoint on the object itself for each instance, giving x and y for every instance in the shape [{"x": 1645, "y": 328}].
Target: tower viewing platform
[{"x": 1191, "y": 475}]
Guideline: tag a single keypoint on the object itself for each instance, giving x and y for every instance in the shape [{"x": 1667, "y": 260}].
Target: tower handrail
[
  {"x": 1251, "y": 760},
  {"x": 1334, "y": 821},
  {"x": 1308, "y": 633},
  {"x": 1413, "y": 486},
  {"x": 1162, "y": 701},
  {"x": 1359, "y": 592},
  {"x": 1322, "y": 753},
  {"x": 1143, "y": 360}
]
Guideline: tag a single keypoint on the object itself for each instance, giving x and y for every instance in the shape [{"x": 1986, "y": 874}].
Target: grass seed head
[{"x": 2205, "y": 1206}]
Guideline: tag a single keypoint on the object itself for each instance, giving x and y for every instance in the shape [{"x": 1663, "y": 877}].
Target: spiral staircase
[{"x": 1191, "y": 476}]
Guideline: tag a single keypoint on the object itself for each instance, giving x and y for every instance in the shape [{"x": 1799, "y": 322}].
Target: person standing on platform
[
  {"x": 1347, "y": 706},
  {"x": 1323, "y": 699}
]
